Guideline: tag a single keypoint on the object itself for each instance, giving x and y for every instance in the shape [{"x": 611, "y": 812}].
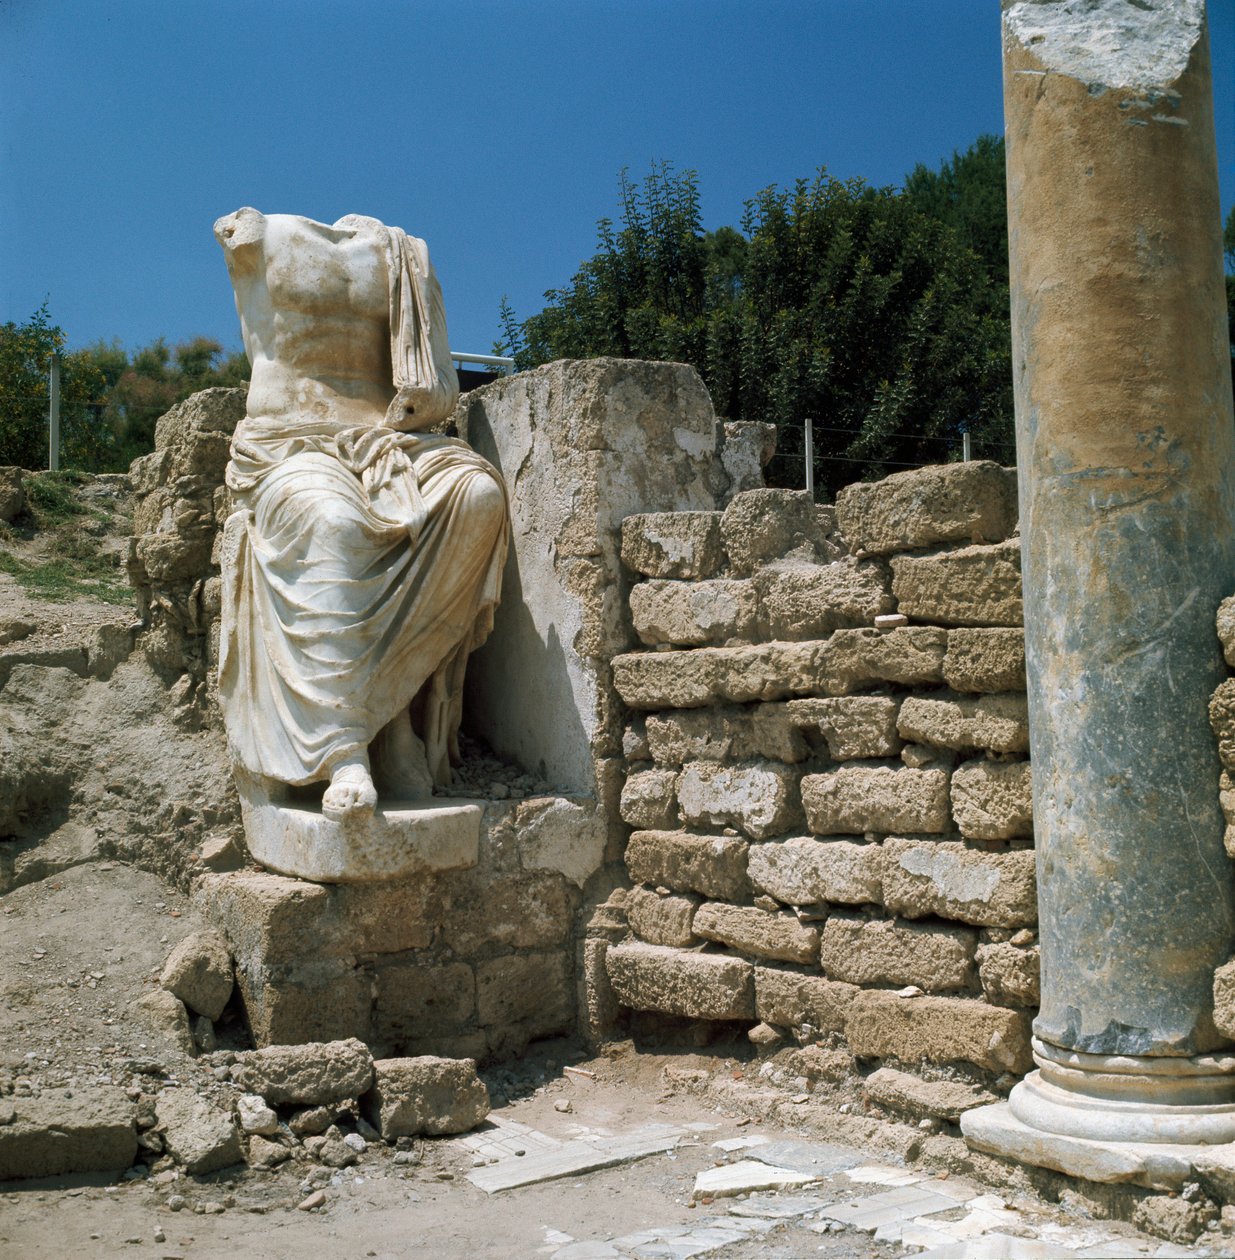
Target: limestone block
[
  {"x": 789, "y": 999},
  {"x": 534, "y": 990},
  {"x": 1224, "y": 999},
  {"x": 712, "y": 865},
  {"x": 1010, "y": 974},
  {"x": 998, "y": 723},
  {"x": 993, "y": 800},
  {"x": 734, "y": 675},
  {"x": 820, "y": 1063},
  {"x": 582, "y": 445},
  {"x": 803, "y": 871},
  {"x": 649, "y": 799},
  {"x": 766, "y": 933},
  {"x": 49, "y": 1135},
  {"x": 853, "y": 726},
  {"x": 197, "y": 1134},
  {"x": 312, "y": 1075},
  {"x": 678, "y": 982},
  {"x": 12, "y": 493},
  {"x": 165, "y": 1015},
  {"x": 1222, "y": 719},
  {"x": 1176, "y": 1219},
  {"x": 557, "y": 833},
  {"x": 798, "y": 600},
  {"x": 599, "y": 1009},
  {"x": 760, "y": 526},
  {"x": 974, "y": 502},
  {"x": 520, "y": 911},
  {"x": 763, "y": 732},
  {"x": 971, "y": 586},
  {"x": 883, "y": 1025},
  {"x": 426, "y": 1094},
  {"x": 662, "y": 920},
  {"x": 693, "y": 614},
  {"x": 199, "y": 972},
  {"x": 924, "y": 877},
  {"x": 887, "y": 952},
  {"x": 749, "y": 444},
  {"x": 760, "y": 798},
  {"x": 910, "y": 1096},
  {"x": 415, "y": 998},
  {"x": 857, "y": 799},
  {"x": 910, "y": 656},
  {"x": 673, "y": 544},
  {"x": 985, "y": 659},
  {"x": 1226, "y": 629}
]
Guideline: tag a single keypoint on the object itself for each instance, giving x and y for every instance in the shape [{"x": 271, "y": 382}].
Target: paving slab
[
  {"x": 882, "y": 1175},
  {"x": 778, "y": 1207},
  {"x": 902, "y": 1203},
  {"x": 748, "y": 1175},
  {"x": 569, "y": 1158},
  {"x": 998, "y": 1247},
  {"x": 820, "y": 1158}
]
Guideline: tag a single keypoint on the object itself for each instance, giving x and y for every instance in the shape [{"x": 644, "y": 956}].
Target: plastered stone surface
[
  {"x": 973, "y": 502},
  {"x": 803, "y": 871},
  {"x": 694, "y": 613},
  {"x": 944, "y": 878},
  {"x": 760, "y": 799},
  {"x": 673, "y": 544}
]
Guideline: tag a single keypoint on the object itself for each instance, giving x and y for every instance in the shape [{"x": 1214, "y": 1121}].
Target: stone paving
[{"x": 763, "y": 1197}]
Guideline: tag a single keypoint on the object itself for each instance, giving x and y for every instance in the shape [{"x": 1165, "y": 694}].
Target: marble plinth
[{"x": 396, "y": 840}]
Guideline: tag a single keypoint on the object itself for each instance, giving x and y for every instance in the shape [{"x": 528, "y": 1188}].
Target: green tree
[
  {"x": 25, "y": 361},
  {"x": 836, "y": 301}
]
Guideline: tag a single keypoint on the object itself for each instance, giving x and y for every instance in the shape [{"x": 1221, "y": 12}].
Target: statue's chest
[{"x": 308, "y": 273}]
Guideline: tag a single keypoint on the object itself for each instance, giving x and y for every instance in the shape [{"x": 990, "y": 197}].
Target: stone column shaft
[{"x": 1126, "y": 457}]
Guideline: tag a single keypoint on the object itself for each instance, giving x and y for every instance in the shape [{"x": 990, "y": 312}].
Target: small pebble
[
  {"x": 356, "y": 1142},
  {"x": 563, "y": 1105},
  {"x": 176, "y": 1203},
  {"x": 315, "y": 1200}
]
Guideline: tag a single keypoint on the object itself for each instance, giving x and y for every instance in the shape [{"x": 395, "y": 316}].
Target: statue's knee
[{"x": 486, "y": 502}]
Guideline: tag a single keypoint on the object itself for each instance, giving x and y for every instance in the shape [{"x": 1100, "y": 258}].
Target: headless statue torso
[{"x": 364, "y": 562}]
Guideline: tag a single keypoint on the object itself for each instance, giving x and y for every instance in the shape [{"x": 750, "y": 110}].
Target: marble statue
[{"x": 364, "y": 560}]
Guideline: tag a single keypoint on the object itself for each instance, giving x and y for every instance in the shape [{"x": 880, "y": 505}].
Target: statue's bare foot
[
  {"x": 351, "y": 791},
  {"x": 400, "y": 762}
]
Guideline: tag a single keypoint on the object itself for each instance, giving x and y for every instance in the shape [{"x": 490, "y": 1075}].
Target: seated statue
[{"x": 364, "y": 561}]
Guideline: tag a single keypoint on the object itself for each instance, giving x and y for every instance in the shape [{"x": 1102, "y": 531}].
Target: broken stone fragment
[
  {"x": 199, "y": 972},
  {"x": 165, "y": 1014},
  {"x": 198, "y": 1135},
  {"x": 50, "y": 1135},
  {"x": 315, "y": 1074},
  {"x": 425, "y": 1094},
  {"x": 909, "y": 1095},
  {"x": 1010, "y": 975},
  {"x": 255, "y": 1117},
  {"x": 266, "y": 1154}
]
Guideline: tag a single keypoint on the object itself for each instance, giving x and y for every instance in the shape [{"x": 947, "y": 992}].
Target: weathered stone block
[
  {"x": 415, "y": 999},
  {"x": 311, "y": 1075},
  {"x": 802, "y": 871},
  {"x": 853, "y": 726},
  {"x": 677, "y": 982},
  {"x": 760, "y": 732},
  {"x": 662, "y": 919},
  {"x": 749, "y": 444},
  {"x": 673, "y": 544},
  {"x": 695, "y": 613},
  {"x": 761, "y": 799},
  {"x": 993, "y": 800},
  {"x": 723, "y": 675},
  {"x": 199, "y": 972},
  {"x": 790, "y": 999},
  {"x": 857, "y": 799},
  {"x": 1224, "y": 999},
  {"x": 534, "y": 990},
  {"x": 907, "y": 1095},
  {"x": 998, "y": 723},
  {"x": 760, "y": 526},
  {"x": 751, "y": 930},
  {"x": 530, "y": 910},
  {"x": 883, "y": 951},
  {"x": 972, "y": 586},
  {"x": 712, "y": 865},
  {"x": 12, "y": 493},
  {"x": 198, "y": 1135},
  {"x": 164, "y": 1014},
  {"x": 809, "y": 601},
  {"x": 987, "y": 659},
  {"x": 425, "y": 1094},
  {"x": 1010, "y": 974},
  {"x": 1222, "y": 719},
  {"x": 922, "y": 877},
  {"x": 557, "y": 833},
  {"x": 1226, "y": 629},
  {"x": 883, "y": 1025},
  {"x": 853, "y": 659},
  {"x": 649, "y": 799},
  {"x": 50, "y": 1135},
  {"x": 974, "y": 502}
]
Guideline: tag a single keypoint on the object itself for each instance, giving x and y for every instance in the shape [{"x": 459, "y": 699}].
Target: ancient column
[{"x": 1127, "y": 490}]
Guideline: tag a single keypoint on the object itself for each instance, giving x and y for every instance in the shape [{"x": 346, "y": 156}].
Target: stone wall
[{"x": 827, "y": 773}]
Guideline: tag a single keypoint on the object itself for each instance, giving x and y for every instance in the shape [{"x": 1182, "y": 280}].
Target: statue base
[{"x": 398, "y": 839}]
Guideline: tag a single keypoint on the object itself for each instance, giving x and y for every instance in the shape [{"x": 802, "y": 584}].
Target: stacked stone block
[{"x": 827, "y": 770}]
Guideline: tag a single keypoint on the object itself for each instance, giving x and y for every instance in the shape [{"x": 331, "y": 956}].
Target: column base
[{"x": 1112, "y": 1117}]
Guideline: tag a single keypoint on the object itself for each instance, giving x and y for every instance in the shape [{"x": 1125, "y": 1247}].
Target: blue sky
[{"x": 494, "y": 130}]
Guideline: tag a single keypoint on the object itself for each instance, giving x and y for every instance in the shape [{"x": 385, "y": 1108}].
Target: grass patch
[{"x": 64, "y": 578}]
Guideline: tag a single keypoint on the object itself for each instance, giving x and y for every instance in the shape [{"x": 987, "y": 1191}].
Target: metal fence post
[
  {"x": 53, "y": 416},
  {"x": 810, "y": 458}
]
